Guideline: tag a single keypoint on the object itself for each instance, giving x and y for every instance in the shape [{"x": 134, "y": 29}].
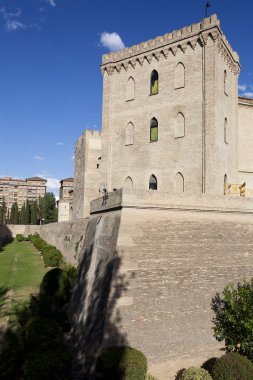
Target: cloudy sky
[{"x": 50, "y": 80}]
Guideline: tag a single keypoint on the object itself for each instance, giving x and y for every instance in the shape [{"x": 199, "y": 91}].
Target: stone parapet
[
  {"x": 179, "y": 39},
  {"x": 158, "y": 200}
]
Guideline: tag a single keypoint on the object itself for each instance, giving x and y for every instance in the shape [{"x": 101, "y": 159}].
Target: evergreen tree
[
  {"x": 34, "y": 217},
  {"x": 3, "y": 212},
  {"x": 16, "y": 214},
  {"x": 47, "y": 208},
  {"x": 22, "y": 215},
  {"x": 1, "y": 215},
  {"x": 27, "y": 213},
  {"x": 12, "y": 214},
  {"x": 7, "y": 220}
]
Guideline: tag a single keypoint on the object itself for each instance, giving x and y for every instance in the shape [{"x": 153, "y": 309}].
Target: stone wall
[
  {"x": 200, "y": 154},
  {"x": 171, "y": 255},
  {"x": 245, "y": 142},
  {"x": 87, "y": 179},
  {"x": 68, "y": 237},
  {"x": 171, "y": 264}
]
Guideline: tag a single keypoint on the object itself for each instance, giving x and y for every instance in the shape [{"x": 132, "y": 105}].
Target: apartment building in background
[{"x": 20, "y": 190}]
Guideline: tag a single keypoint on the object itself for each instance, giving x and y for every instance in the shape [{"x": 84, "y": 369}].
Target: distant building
[
  {"x": 20, "y": 190},
  {"x": 65, "y": 201}
]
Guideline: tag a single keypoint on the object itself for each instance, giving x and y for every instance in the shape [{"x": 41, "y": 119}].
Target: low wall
[{"x": 68, "y": 237}]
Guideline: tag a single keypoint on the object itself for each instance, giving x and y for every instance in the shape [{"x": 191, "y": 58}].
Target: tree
[
  {"x": 47, "y": 208},
  {"x": 34, "y": 217},
  {"x": 233, "y": 320},
  {"x": 22, "y": 215},
  {"x": 12, "y": 214},
  {"x": 3, "y": 210},
  {"x": 16, "y": 214},
  {"x": 27, "y": 213}
]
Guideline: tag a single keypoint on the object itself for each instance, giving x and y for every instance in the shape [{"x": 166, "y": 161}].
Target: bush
[
  {"x": 71, "y": 272},
  {"x": 120, "y": 363},
  {"x": 232, "y": 366},
  {"x": 54, "y": 364},
  {"x": 56, "y": 283},
  {"x": 194, "y": 373},
  {"x": 46, "y": 248},
  {"x": 41, "y": 334},
  {"x": 20, "y": 237},
  {"x": 52, "y": 258},
  {"x": 233, "y": 320}
]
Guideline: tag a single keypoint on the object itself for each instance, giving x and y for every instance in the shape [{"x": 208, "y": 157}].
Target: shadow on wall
[
  {"x": 94, "y": 297},
  {"x": 5, "y": 235}
]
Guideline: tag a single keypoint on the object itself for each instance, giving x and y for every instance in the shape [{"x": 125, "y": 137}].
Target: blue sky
[{"x": 50, "y": 80}]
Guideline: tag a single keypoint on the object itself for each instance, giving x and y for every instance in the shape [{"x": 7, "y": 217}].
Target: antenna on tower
[{"x": 208, "y": 5}]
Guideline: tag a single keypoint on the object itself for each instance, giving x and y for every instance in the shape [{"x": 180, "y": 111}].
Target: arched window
[
  {"x": 180, "y": 125},
  {"x": 154, "y": 83},
  {"x": 129, "y": 134},
  {"x": 152, "y": 182},
  {"x": 179, "y": 76},
  {"x": 179, "y": 183},
  {"x": 128, "y": 183},
  {"x": 226, "y": 130},
  {"x": 225, "y": 82},
  {"x": 153, "y": 129},
  {"x": 130, "y": 89}
]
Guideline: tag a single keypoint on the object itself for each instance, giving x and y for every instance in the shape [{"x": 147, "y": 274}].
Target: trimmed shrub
[
  {"x": 55, "y": 283},
  {"x": 121, "y": 363},
  {"x": 20, "y": 237},
  {"x": 52, "y": 257},
  {"x": 41, "y": 334},
  {"x": 233, "y": 320},
  {"x": 232, "y": 366},
  {"x": 54, "y": 364},
  {"x": 71, "y": 272},
  {"x": 194, "y": 373}
]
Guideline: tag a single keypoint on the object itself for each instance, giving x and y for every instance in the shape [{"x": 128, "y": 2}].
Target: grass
[{"x": 21, "y": 269}]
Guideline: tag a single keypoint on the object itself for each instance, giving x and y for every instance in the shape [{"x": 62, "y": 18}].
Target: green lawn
[{"x": 21, "y": 270}]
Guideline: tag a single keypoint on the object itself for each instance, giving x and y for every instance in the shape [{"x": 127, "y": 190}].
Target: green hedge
[
  {"x": 232, "y": 366},
  {"x": 119, "y": 363},
  {"x": 194, "y": 373},
  {"x": 52, "y": 257}
]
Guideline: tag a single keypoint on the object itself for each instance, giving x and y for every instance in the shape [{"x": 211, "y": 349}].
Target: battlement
[
  {"x": 170, "y": 38},
  {"x": 245, "y": 101},
  {"x": 88, "y": 133},
  {"x": 92, "y": 132}
]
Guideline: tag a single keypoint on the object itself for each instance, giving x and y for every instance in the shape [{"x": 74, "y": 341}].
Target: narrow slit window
[
  {"x": 154, "y": 130},
  {"x": 226, "y": 130},
  {"x": 154, "y": 83},
  {"x": 225, "y": 82}
]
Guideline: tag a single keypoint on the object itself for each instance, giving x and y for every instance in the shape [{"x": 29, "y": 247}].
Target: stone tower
[{"x": 170, "y": 112}]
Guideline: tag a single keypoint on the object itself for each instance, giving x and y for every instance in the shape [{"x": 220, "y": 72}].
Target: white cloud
[
  {"x": 39, "y": 158},
  {"x": 112, "y": 41},
  {"x": 59, "y": 143},
  {"x": 51, "y": 2},
  {"x": 242, "y": 87},
  {"x": 53, "y": 184},
  {"x": 14, "y": 25},
  {"x": 11, "y": 22},
  {"x": 72, "y": 157}
]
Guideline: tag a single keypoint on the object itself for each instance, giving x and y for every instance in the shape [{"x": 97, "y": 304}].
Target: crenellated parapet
[{"x": 162, "y": 47}]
